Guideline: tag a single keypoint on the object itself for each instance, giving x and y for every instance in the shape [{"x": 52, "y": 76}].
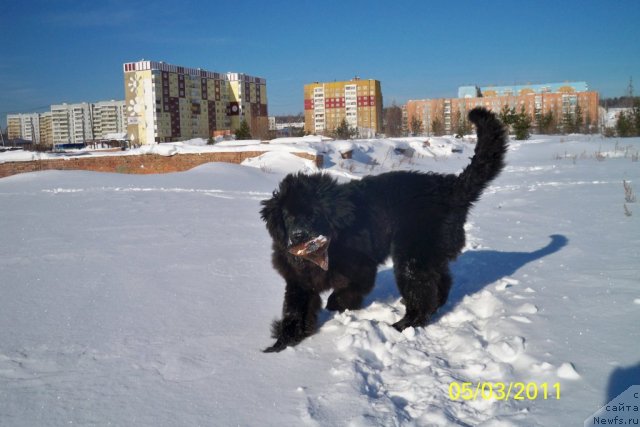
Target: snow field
[{"x": 146, "y": 300}]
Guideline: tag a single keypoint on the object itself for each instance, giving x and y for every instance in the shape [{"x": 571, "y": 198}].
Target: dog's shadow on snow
[
  {"x": 621, "y": 379},
  {"x": 472, "y": 271}
]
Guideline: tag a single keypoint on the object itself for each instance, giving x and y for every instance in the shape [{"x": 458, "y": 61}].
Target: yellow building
[
  {"x": 24, "y": 126},
  {"x": 14, "y": 126},
  {"x": 167, "y": 102},
  {"x": 358, "y": 101},
  {"x": 46, "y": 128}
]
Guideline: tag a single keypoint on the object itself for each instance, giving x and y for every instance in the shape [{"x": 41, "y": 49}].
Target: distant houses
[
  {"x": 163, "y": 103},
  {"x": 166, "y": 103},
  {"x": 68, "y": 123},
  {"x": 356, "y": 102},
  {"x": 552, "y": 104}
]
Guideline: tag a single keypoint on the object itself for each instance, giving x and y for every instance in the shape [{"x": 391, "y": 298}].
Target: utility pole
[{"x": 630, "y": 92}]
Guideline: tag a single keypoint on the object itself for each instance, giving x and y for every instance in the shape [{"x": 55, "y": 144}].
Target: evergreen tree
[
  {"x": 437, "y": 127},
  {"x": 568, "y": 123},
  {"x": 538, "y": 121},
  {"x": 578, "y": 120},
  {"x": 243, "y": 132},
  {"x": 299, "y": 132},
  {"x": 635, "y": 113},
  {"x": 557, "y": 119},
  {"x": 624, "y": 125},
  {"x": 522, "y": 125},
  {"x": 463, "y": 126},
  {"x": 344, "y": 131},
  {"x": 416, "y": 125},
  {"x": 508, "y": 115},
  {"x": 546, "y": 123}
]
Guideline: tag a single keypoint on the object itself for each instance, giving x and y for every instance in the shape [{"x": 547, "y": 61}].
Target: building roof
[{"x": 471, "y": 91}]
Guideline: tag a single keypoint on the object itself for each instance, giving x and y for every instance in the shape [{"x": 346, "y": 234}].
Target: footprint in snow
[
  {"x": 22, "y": 366},
  {"x": 506, "y": 283},
  {"x": 507, "y": 349},
  {"x": 185, "y": 368}
]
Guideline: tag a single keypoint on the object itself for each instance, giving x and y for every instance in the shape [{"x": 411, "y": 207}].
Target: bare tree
[
  {"x": 393, "y": 120},
  {"x": 416, "y": 125}
]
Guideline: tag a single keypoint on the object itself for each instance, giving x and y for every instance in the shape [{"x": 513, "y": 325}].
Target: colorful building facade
[
  {"x": 167, "y": 102},
  {"x": 510, "y": 90},
  {"x": 444, "y": 115},
  {"x": 358, "y": 101}
]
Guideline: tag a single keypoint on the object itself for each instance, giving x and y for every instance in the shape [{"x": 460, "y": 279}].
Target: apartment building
[
  {"x": 71, "y": 123},
  {"x": 358, "y": 101},
  {"x": 167, "y": 102},
  {"x": 24, "y": 126},
  {"x": 83, "y": 122},
  {"x": 46, "y": 128},
  {"x": 108, "y": 119},
  {"x": 443, "y": 115}
]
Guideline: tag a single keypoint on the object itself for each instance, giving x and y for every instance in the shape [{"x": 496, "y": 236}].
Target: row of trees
[
  {"x": 519, "y": 122},
  {"x": 619, "y": 102},
  {"x": 549, "y": 123}
]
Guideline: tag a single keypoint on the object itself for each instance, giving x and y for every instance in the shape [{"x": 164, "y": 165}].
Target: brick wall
[{"x": 142, "y": 164}]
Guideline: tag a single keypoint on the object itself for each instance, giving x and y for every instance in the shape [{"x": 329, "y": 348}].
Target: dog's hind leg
[
  {"x": 423, "y": 287},
  {"x": 351, "y": 297},
  {"x": 345, "y": 299}
]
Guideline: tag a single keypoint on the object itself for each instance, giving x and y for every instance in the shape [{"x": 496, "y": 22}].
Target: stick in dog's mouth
[{"x": 315, "y": 250}]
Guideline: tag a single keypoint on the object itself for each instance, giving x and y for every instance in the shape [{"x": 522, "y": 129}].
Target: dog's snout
[{"x": 298, "y": 236}]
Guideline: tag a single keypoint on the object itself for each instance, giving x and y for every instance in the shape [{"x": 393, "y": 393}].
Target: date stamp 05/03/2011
[
  {"x": 503, "y": 391},
  {"x": 622, "y": 410}
]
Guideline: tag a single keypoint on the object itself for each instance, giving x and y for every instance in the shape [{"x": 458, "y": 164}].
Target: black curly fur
[{"x": 416, "y": 218}]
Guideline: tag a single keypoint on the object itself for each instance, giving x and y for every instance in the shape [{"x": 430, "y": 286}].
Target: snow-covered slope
[{"x": 146, "y": 300}]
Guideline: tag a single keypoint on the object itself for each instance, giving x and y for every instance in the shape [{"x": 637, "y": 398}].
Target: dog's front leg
[{"x": 299, "y": 317}]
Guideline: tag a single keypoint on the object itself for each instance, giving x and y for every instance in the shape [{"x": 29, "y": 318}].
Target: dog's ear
[{"x": 271, "y": 213}]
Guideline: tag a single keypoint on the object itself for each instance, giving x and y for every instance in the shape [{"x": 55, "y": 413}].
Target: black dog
[{"x": 417, "y": 218}]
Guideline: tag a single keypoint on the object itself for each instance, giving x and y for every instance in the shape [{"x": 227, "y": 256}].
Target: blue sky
[{"x": 72, "y": 51}]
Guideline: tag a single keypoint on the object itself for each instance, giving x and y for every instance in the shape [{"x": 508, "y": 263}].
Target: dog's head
[{"x": 305, "y": 207}]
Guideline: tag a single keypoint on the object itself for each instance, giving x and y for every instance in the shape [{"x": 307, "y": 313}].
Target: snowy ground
[
  {"x": 197, "y": 145},
  {"x": 146, "y": 300}
]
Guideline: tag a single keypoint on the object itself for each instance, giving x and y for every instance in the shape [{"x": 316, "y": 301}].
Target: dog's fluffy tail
[{"x": 488, "y": 160}]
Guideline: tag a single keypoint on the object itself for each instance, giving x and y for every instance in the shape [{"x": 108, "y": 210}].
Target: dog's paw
[
  {"x": 406, "y": 322},
  {"x": 334, "y": 304},
  {"x": 282, "y": 343},
  {"x": 275, "y": 348},
  {"x": 344, "y": 300},
  {"x": 401, "y": 325},
  {"x": 288, "y": 332}
]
